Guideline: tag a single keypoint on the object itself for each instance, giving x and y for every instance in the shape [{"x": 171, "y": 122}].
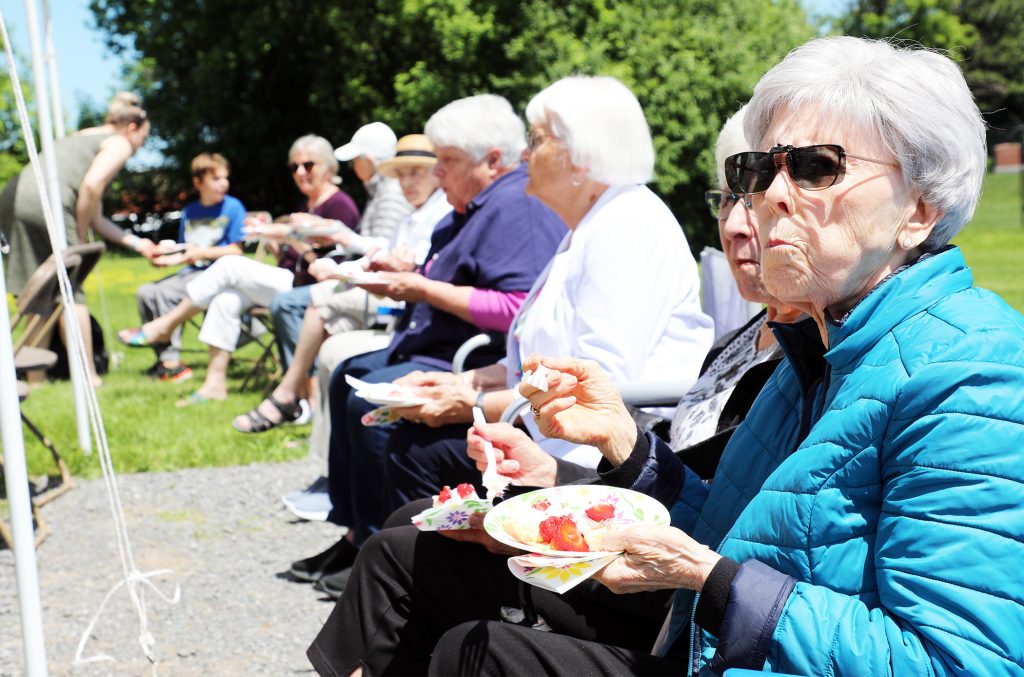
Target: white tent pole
[
  {"x": 51, "y": 63},
  {"x": 78, "y": 372},
  {"x": 20, "y": 503}
]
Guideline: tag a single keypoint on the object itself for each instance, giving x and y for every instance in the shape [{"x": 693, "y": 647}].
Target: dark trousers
[
  {"x": 355, "y": 461},
  {"x": 421, "y": 459},
  {"x": 410, "y": 587}
]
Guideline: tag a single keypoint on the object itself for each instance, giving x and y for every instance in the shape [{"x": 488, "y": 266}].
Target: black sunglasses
[
  {"x": 810, "y": 167},
  {"x": 720, "y": 203},
  {"x": 307, "y": 165}
]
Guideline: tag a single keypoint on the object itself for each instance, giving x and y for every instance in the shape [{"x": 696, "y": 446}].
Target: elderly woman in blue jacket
[{"x": 866, "y": 517}]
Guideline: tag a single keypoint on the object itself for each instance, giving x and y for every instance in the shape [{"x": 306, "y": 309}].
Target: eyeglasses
[
  {"x": 307, "y": 165},
  {"x": 720, "y": 203},
  {"x": 811, "y": 167},
  {"x": 535, "y": 138}
]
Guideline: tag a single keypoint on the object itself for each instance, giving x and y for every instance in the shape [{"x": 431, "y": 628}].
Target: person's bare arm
[{"x": 114, "y": 153}]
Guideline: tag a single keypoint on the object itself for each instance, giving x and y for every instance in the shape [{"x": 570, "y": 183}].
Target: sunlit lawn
[
  {"x": 147, "y": 432},
  {"x": 144, "y": 428}
]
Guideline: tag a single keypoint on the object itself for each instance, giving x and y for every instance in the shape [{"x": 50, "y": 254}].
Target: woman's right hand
[
  {"x": 515, "y": 455},
  {"x": 424, "y": 379},
  {"x": 476, "y": 534},
  {"x": 581, "y": 405}
]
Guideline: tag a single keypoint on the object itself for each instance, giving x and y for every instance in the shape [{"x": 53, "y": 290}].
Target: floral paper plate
[
  {"x": 557, "y": 574},
  {"x": 515, "y": 519},
  {"x": 453, "y": 517}
]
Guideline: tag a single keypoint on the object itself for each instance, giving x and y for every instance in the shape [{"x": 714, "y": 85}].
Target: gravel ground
[{"x": 225, "y": 534}]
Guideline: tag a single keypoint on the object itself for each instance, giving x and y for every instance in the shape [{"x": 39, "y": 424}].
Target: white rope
[{"x": 132, "y": 577}]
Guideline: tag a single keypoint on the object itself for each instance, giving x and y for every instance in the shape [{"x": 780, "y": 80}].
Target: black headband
[{"x": 415, "y": 153}]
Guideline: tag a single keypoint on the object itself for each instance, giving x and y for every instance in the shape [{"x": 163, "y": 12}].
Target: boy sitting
[{"x": 211, "y": 227}]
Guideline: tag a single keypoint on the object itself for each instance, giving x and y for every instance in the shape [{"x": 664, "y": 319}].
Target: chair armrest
[
  {"x": 636, "y": 393},
  {"x": 462, "y": 354},
  {"x": 653, "y": 393}
]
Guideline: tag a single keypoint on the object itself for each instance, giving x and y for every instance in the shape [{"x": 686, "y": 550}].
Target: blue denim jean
[{"x": 287, "y": 311}]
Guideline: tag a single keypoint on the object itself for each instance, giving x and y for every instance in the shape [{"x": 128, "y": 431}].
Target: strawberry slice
[
  {"x": 601, "y": 512},
  {"x": 568, "y": 537},
  {"x": 549, "y": 527},
  {"x": 541, "y": 504},
  {"x": 465, "y": 489},
  {"x": 445, "y": 495}
]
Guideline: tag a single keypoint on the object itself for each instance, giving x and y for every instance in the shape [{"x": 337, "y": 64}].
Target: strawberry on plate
[
  {"x": 541, "y": 504},
  {"x": 600, "y": 512},
  {"x": 568, "y": 537}
]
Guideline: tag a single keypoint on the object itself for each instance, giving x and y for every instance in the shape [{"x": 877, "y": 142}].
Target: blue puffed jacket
[{"x": 874, "y": 495}]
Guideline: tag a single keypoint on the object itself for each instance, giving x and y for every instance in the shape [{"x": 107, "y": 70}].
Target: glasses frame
[
  {"x": 713, "y": 200},
  {"x": 791, "y": 155},
  {"x": 534, "y": 139},
  {"x": 307, "y": 165}
]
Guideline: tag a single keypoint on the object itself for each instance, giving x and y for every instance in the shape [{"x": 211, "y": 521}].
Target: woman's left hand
[
  {"x": 654, "y": 558},
  {"x": 408, "y": 287},
  {"x": 448, "y": 404}
]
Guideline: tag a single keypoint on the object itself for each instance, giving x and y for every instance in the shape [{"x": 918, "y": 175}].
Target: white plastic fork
[{"x": 494, "y": 484}]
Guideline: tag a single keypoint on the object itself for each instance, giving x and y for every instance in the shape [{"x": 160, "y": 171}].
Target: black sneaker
[
  {"x": 334, "y": 584},
  {"x": 339, "y": 556}
]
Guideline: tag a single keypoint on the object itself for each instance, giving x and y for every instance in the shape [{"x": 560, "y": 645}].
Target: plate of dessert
[{"x": 557, "y": 521}]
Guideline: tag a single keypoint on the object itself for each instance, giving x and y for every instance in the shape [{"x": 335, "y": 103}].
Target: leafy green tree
[
  {"x": 994, "y": 65},
  {"x": 13, "y": 153},
  {"x": 246, "y": 77},
  {"x": 986, "y": 37}
]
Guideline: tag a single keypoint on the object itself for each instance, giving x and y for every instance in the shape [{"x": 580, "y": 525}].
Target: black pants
[
  {"x": 409, "y": 587},
  {"x": 420, "y": 460},
  {"x": 489, "y": 648}
]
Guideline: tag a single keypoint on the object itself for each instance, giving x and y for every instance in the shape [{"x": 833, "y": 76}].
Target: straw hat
[{"x": 414, "y": 150}]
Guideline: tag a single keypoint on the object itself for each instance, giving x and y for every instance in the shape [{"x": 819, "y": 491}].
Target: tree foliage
[
  {"x": 986, "y": 37},
  {"x": 246, "y": 77}
]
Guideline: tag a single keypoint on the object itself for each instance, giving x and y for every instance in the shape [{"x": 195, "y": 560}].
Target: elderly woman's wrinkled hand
[
  {"x": 448, "y": 404},
  {"x": 516, "y": 456},
  {"x": 581, "y": 405},
  {"x": 420, "y": 379},
  {"x": 476, "y": 534},
  {"x": 324, "y": 269},
  {"x": 654, "y": 558},
  {"x": 408, "y": 287}
]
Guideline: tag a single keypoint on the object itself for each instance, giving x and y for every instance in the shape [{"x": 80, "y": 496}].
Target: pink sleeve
[{"x": 493, "y": 310}]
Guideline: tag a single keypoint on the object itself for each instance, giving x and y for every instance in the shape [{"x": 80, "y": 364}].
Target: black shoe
[
  {"x": 339, "y": 556},
  {"x": 334, "y": 584}
]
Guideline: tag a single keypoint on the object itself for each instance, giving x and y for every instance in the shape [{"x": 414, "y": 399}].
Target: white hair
[
  {"x": 318, "y": 147},
  {"x": 477, "y": 124},
  {"x": 731, "y": 140},
  {"x": 602, "y": 124},
  {"x": 915, "y": 100}
]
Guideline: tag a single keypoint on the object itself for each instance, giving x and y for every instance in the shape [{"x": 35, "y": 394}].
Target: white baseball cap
[{"x": 375, "y": 140}]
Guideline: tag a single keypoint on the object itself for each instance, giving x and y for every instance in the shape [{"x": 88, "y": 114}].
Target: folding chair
[
  {"x": 42, "y": 528},
  {"x": 266, "y": 364}
]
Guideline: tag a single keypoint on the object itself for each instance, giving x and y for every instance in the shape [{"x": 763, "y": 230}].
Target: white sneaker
[{"x": 313, "y": 507}]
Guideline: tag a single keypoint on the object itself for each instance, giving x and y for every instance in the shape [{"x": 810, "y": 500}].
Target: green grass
[
  {"x": 147, "y": 432},
  {"x": 993, "y": 242}
]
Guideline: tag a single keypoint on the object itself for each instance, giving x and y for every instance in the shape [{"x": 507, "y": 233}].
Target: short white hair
[
  {"x": 731, "y": 140},
  {"x": 476, "y": 124},
  {"x": 603, "y": 126},
  {"x": 915, "y": 100},
  {"x": 318, "y": 147}
]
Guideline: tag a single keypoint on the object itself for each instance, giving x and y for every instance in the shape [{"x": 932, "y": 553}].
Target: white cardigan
[{"x": 622, "y": 290}]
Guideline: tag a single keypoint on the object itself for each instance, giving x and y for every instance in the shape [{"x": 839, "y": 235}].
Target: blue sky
[{"x": 86, "y": 71}]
